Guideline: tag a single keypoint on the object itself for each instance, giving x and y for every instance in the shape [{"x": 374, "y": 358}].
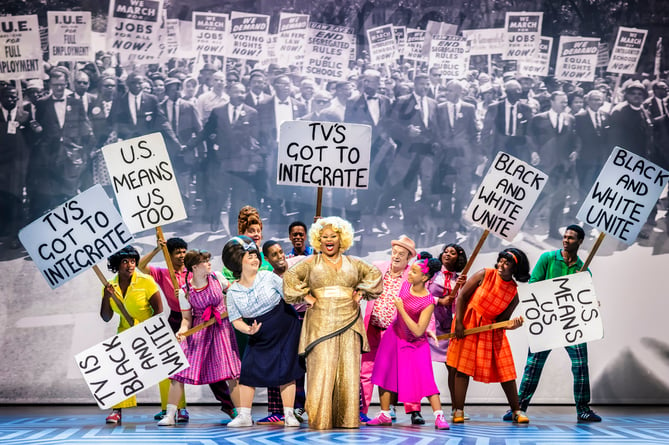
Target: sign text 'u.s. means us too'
[
  {"x": 623, "y": 195},
  {"x": 131, "y": 361},
  {"x": 506, "y": 196},
  {"x": 324, "y": 154},
  {"x": 75, "y": 236},
  {"x": 563, "y": 311},
  {"x": 144, "y": 182}
]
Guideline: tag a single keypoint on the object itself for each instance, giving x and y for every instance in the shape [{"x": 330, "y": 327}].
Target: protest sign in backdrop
[
  {"x": 292, "y": 38},
  {"x": 210, "y": 33},
  {"x": 560, "y": 312},
  {"x": 577, "y": 58},
  {"x": 329, "y": 50},
  {"x": 450, "y": 54},
  {"x": 75, "y": 236},
  {"x": 623, "y": 195},
  {"x": 69, "y": 36},
  {"x": 485, "y": 41},
  {"x": 382, "y": 45},
  {"x": 144, "y": 182},
  {"x": 400, "y": 33},
  {"x": 506, "y": 196},
  {"x": 540, "y": 65},
  {"x": 523, "y": 31},
  {"x": 133, "y": 28},
  {"x": 627, "y": 50},
  {"x": 21, "y": 53},
  {"x": 324, "y": 154},
  {"x": 132, "y": 361},
  {"x": 414, "y": 45},
  {"x": 248, "y": 36},
  {"x": 603, "y": 54}
]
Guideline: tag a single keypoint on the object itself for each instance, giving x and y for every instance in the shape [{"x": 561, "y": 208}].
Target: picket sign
[
  {"x": 115, "y": 297},
  {"x": 477, "y": 330}
]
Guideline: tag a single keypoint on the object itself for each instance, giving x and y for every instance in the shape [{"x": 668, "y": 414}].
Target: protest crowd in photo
[{"x": 303, "y": 146}]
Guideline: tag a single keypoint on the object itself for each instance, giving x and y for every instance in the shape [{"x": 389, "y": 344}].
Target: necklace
[{"x": 331, "y": 260}]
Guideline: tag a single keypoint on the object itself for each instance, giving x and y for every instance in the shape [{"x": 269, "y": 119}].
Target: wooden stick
[
  {"x": 468, "y": 266},
  {"x": 115, "y": 297},
  {"x": 319, "y": 202},
  {"x": 593, "y": 251},
  {"x": 168, "y": 259},
  {"x": 201, "y": 326},
  {"x": 479, "y": 329}
]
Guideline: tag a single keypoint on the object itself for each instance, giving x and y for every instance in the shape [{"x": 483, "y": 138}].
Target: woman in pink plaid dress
[{"x": 211, "y": 352}]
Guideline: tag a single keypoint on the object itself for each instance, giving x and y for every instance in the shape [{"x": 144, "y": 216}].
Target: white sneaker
[
  {"x": 290, "y": 420},
  {"x": 300, "y": 414},
  {"x": 240, "y": 421},
  {"x": 167, "y": 421}
]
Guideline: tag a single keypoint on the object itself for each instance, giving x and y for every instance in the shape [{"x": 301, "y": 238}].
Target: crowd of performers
[
  {"x": 279, "y": 318},
  {"x": 430, "y": 137}
]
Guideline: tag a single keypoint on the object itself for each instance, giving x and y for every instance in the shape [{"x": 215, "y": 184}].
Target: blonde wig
[{"x": 339, "y": 225}]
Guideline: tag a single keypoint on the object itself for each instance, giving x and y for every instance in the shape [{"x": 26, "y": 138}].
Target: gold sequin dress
[{"x": 333, "y": 335}]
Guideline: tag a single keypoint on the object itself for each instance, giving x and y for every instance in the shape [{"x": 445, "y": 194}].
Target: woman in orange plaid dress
[{"x": 487, "y": 297}]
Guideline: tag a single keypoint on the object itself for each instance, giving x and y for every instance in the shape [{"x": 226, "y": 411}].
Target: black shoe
[
  {"x": 417, "y": 419},
  {"x": 588, "y": 416}
]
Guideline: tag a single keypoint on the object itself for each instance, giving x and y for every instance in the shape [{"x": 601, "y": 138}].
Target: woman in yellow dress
[
  {"x": 139, "y": 294},
  {"x": 333, "y": 333}
]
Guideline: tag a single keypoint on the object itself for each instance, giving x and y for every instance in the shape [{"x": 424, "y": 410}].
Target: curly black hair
[
  {"x": 461, "y": 262},
  {"x": 114, "y": 260},
  {"x": 433, "y": 264}
]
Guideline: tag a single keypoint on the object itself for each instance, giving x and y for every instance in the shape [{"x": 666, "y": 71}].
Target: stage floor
[{"x": 29, "y": 424}]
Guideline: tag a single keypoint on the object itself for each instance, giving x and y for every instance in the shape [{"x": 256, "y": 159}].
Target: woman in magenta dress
[
  {"x": 403, "y": 365},
  {"x": 212, "y": 352}
]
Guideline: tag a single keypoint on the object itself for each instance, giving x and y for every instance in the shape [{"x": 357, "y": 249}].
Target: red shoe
[
  {"x": 380, "y": 420},
  {"x": 114, "y": 417}
]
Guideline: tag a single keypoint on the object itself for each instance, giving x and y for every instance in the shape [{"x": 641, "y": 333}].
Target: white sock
[
  {"x": 246, "y": 412},
  {"x": 438, "y": 413},
  {"x": 387, "y": 413},
  {"x": 288, "y": 412}
]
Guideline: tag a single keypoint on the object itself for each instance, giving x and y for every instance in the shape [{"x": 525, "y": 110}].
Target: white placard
[
  {"x": 382, "y": 45},
  {"x": 450, "y": 54},
  {"x": 329, "y": 50},
  {"x": 69, "y": 36},
  {"x": 292, "y": 38},
  {"x": 20, "y": 48},
  {"x": 506, "y": 196},
  {"x": 248, "y": 36},
  {"x": 623, "y": 195},
  {"x": 540, "y": 65},
  {"x": 144, "y": 182},
  {"x": 627, "y": 50},
  {"x": 577, "y": 58},
  {"x": 210, "y": 33},
  {"x": 523, "y": 31},
  {"x": 485, "y": 41},
  {"x": 400, "y": 39},
  {"x": 414, "y": 46},
  {"x": 133, "y": 28},
  {"x": 560, "y": 312},
  {"x": 75, "y": 236},
  {"x": 132, "y": 361},
  {"x": 324, "y": 154}
]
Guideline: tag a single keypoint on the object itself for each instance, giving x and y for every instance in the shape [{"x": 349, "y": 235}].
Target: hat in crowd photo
[
  {"x": 34, "y": 84},
  {"x": 208, "y": 67},
  {"x": 172, "y": 81},
  {"x": 59, "y": 69},
  {"x": 322, "y": 95},
  {"x": 407, "y": 243},
  {"x": 635, "y": 85},
  {"x": 257, "y": 72}
]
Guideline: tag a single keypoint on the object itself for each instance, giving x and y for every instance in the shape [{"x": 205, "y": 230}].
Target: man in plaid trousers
[{"x": 553, "y": 264}]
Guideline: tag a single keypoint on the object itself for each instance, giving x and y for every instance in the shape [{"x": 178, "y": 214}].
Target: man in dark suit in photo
[
  {"x": 234, "y": 161},
  {"x": 81, "y": 85},
  {"x": 58, "y": 159},
  {"x": 457, "y": 156},
  {"x": 658, "y": 111},
  {"x": 629, "y": 125},
  {"x": 138, "y": 113},
  {"x": 505, "y": 124},
  {"x": 14, "y": 128},
  {"x": 257, "y": 84},
  {"x": 277, "y": 109},
  {"x": 185, "y": 123},
  {"x": 552, "y": 138},
  {"x": 591, "y": 141}
]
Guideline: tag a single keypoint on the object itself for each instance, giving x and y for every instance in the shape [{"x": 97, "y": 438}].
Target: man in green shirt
[{"x": 553, "y": 264}]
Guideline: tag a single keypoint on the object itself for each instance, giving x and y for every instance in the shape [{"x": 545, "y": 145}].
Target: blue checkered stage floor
[{"x": 552, "y": 425}]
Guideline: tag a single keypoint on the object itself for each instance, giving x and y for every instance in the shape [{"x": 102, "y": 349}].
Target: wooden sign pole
[
  {"x": 593, "y": 251},
  {"x": 115, "y": 297},
  {"x": 168, "y": 259},
  {"x": 479, "y": 329},
  {"x": 319, "y": 203},
  {"x": 201, "y": 326}
]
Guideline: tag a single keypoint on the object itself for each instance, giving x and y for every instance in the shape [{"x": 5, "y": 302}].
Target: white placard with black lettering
[
  {"x": 20, "y": 48},
  {"x": 291, "y": 41},
  {"x": 248, "y": 36},
  {"x": 210, "y": 33},
  {"x": 329, "y": 50},
  {"x": 577, "y": 58},
  {"x": 133, "y": 28},
  {"x": 132, "y": 361},
  {"x": 144, "y": 182},
  {"x": 485, "y": 41},
  {"x": 414, "y": 45},
  {"x": 523, "y": 31},
  {"x": 539, "y": 65},
  {"x": 382, "y": 45},
  {"x": 69, "y": 36},
  {"x": 560, "y": 312},
  {"x": 627, "y": 50},
  {"x": 506, "y": 196},
  {"x": 75, "y": 236},
  {"x": 623, "y": 195},
  {"x": 324, "y": 154},
  {"x": 451, "y": 54}
]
